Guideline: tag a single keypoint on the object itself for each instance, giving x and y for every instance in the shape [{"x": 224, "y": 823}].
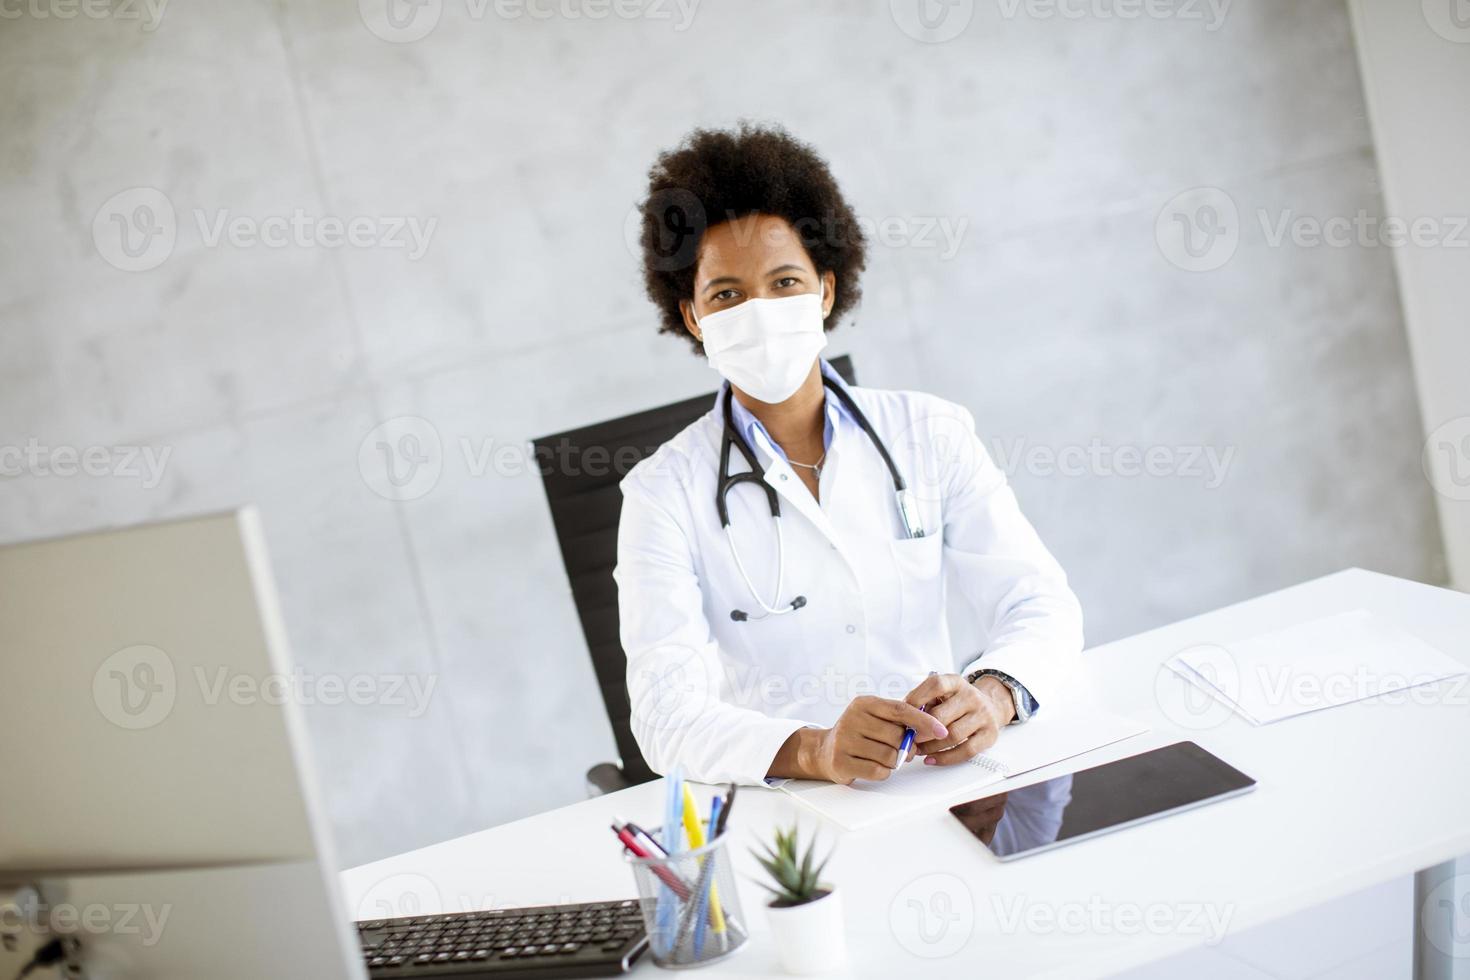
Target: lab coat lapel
[{"x": 784, "y": 480}]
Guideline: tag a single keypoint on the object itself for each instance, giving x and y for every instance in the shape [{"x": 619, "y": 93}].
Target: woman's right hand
[{"x": 864, "y": 742}]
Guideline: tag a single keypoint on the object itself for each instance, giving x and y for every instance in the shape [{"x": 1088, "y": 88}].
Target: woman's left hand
[{"x": 973, "y": 713}]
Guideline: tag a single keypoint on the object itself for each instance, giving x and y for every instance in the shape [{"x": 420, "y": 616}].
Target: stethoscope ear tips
[
  {"x": 739, "y": 615},
  {"x": 798, "y": 602}
]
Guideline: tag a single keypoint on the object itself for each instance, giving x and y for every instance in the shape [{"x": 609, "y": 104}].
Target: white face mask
[{"x": 766, "y": 347}]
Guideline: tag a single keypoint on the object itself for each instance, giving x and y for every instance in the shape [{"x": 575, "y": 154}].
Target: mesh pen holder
[{"x": 691, "y": 907}]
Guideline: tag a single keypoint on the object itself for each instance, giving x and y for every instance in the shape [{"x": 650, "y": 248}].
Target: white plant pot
[{"x": 809, "y": 937}]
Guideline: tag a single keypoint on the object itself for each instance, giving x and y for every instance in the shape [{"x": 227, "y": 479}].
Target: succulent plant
[{"x": 797, "y": 881}]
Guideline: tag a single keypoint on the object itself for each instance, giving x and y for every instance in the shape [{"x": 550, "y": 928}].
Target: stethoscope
[{"x": 907, "y": 507}]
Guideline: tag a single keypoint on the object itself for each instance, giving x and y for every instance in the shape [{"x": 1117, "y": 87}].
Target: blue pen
[
  {"x": 700, "y": 918},
  {"x": 673, "y": 834},
  {"x": 908, "y": 733}
]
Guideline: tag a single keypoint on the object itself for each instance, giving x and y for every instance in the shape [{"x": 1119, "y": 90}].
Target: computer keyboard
[{"x": 597, "y": 939}]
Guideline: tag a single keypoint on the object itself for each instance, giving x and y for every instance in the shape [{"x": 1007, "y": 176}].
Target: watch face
[{"x": 1018, "y": 700}]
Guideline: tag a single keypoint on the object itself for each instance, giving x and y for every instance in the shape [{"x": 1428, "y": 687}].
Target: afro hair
[{"x": 715, "y": 176}]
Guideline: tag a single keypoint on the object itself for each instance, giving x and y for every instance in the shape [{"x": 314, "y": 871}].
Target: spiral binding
[{"x": 990, "y": 765}]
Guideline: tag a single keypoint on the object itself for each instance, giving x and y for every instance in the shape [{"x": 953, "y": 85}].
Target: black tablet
[{"x": 1101, "y": 799}]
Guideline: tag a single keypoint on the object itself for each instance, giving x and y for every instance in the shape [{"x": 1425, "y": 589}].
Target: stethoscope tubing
[{"x": 756, "y": 474}]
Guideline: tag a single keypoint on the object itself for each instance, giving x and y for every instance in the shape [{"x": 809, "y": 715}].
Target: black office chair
[{"x": 580, "y": 470}]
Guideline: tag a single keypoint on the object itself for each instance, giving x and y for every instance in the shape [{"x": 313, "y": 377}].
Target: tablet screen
[{"x": 1097, "y": 800}]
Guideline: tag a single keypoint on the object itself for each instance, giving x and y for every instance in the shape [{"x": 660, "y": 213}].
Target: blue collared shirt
[{"x": 835, "y": 412}]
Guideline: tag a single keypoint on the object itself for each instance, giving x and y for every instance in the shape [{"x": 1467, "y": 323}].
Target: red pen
[
  {"x": 648, "y": 842},
  {"x": 638, "y": 850}
]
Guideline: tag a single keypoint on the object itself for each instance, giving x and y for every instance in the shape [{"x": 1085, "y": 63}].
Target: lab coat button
[
  {"x": 783, "y": 476},
  {"x": 851, "y": 628}
]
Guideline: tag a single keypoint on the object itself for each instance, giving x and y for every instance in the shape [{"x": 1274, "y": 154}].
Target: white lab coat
[{"x": 718, "y": 697}]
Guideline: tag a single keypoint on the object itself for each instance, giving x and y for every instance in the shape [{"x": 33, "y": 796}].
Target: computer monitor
[{"x": 153, "y": 771}]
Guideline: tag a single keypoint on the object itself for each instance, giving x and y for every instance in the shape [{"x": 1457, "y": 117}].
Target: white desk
[{"x": 1347, "y": 798}]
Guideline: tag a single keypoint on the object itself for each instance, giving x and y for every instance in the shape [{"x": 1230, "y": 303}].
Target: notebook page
[
  {"x": 1055, "y": 737},
  {"x": 865, "y": 803}
]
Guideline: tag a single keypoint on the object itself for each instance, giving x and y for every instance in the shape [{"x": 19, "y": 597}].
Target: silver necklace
[{"x": 816, "y": 467}]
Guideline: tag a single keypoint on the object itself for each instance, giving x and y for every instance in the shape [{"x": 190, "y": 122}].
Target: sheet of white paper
[
  {"x": 1062, "y": 733},
  {"x": 1318, "y": 664},
  {"x": 1204, "y": 678}
]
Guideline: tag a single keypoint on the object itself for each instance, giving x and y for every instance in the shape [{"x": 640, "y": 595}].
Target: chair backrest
[{"x": 580, "y": 470}]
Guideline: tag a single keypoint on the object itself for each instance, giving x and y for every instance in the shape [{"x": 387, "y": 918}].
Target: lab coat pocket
[
  {"x": 920, "y": 565},
  {"x": 760, "y": 668}
]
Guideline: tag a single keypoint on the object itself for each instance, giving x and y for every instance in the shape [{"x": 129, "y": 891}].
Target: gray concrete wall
[{"x": 139, "y": 155}]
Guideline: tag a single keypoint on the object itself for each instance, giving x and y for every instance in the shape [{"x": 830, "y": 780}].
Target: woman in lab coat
[{"x": 791, "y": 622}]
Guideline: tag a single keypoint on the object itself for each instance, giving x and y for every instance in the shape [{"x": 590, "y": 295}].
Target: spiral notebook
[{"x": 1049, "y": 737}]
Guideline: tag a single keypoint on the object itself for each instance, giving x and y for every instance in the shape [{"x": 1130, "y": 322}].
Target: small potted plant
[{"x": 805, "y": 914}]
